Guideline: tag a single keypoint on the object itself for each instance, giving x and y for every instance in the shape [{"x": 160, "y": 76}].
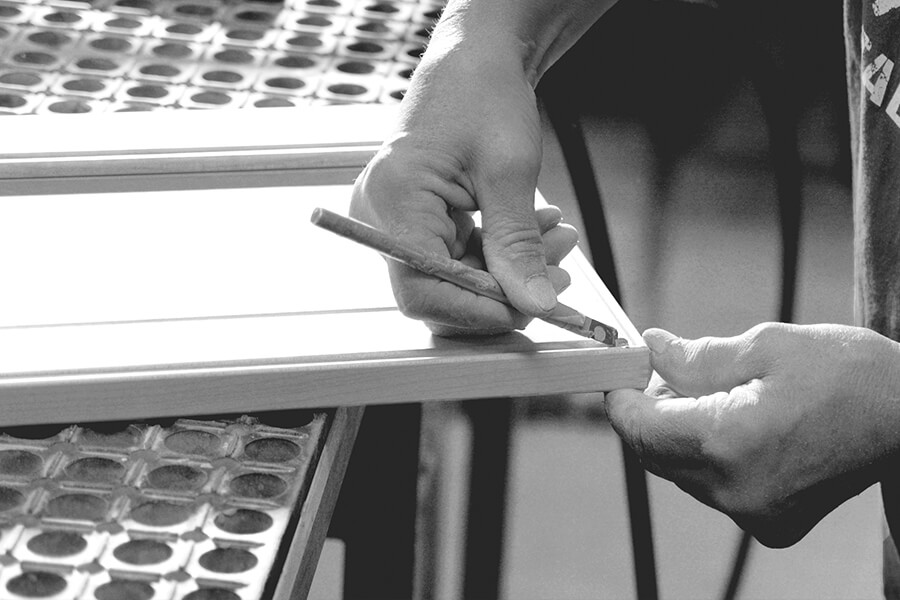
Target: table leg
[
  {"x": 491, "y": 422},
  {"x": 376, "y": 510}
]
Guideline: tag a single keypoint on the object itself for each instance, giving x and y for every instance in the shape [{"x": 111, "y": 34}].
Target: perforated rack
[
  {"x": 86, "y": 56},
  {"x": 188, "y": 509}
]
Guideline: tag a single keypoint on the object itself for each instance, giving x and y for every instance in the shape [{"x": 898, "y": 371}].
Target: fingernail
[
  {"x": 657, "y": 339},
  {"x": 541, "y": 291}
]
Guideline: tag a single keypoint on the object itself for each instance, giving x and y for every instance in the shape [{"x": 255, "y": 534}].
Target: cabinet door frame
[{"x": 187, "y": 150}]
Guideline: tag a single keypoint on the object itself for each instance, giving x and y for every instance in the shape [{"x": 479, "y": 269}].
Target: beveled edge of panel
[
  {"x": 310, "y": 138},
  {"x": 423, "y": 369}
]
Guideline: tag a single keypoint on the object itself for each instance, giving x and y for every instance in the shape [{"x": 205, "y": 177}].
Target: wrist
[
  {"x": 875, "y": 371},
  {"x": 454, "y": 77},
  {"x": 532, "y": 33}
]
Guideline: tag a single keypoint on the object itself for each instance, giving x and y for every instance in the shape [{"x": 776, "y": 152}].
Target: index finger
[
  {"x": 426, "y": 298},
  {"x": 667, "y": 433}
]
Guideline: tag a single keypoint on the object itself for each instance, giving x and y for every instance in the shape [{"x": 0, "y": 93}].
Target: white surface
[
  {"x": 156, "y": 267},
  {"x": 84, "y": 258}
]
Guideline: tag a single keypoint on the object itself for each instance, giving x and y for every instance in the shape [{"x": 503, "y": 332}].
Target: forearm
[{"x": 532, "y": 33}]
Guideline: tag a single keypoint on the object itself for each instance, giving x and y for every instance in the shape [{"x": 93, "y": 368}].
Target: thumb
[
  {"x": 514, "y": 254},
  {"x": 702, "y": 366}
]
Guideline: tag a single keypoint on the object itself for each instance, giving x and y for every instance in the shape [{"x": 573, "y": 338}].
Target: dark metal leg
[
  {"x": 567, "y": 125},
  {"x": 376, "y": 511},
  {"x": 491, "y": 432},
  {"x": 641, "y": 526}
]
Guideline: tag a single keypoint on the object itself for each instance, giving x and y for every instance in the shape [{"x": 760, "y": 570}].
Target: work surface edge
[{"x": 139, "y": 394}]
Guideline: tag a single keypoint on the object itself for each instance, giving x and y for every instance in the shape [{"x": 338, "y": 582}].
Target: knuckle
[
  {"x": 381, "y": 172},
  {"x": 511, "y": 153},
  {"x": 408, "y": 302},
  {"x": 558, "y": 242},
  {"x": 764, "y": 335},
  {"x": 514, "y": 235},
  {"x": 444, "y": 308},
  {"x": 698, "y": 350},
  {"x": 429, "y": 305},
  {"x": 760, "y": 343}
]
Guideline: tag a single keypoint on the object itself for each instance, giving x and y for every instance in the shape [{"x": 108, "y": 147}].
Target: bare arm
[{"x": 537, "y": 32}]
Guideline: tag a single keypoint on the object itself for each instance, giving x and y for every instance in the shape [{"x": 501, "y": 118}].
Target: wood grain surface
[{"x": 145, "y": 304}]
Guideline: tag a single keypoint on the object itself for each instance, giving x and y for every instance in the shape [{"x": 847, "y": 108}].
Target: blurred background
[{"x": 676, "y": 100}]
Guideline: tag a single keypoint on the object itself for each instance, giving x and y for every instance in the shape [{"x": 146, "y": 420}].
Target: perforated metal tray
[
  {"x": 83, "y": 56},
  {"x": 186, "y": 509}
]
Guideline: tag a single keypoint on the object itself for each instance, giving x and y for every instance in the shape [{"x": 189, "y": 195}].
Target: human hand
[
  {"x": 775, "y": 427},
  {"x": 469, "y": 139}
]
